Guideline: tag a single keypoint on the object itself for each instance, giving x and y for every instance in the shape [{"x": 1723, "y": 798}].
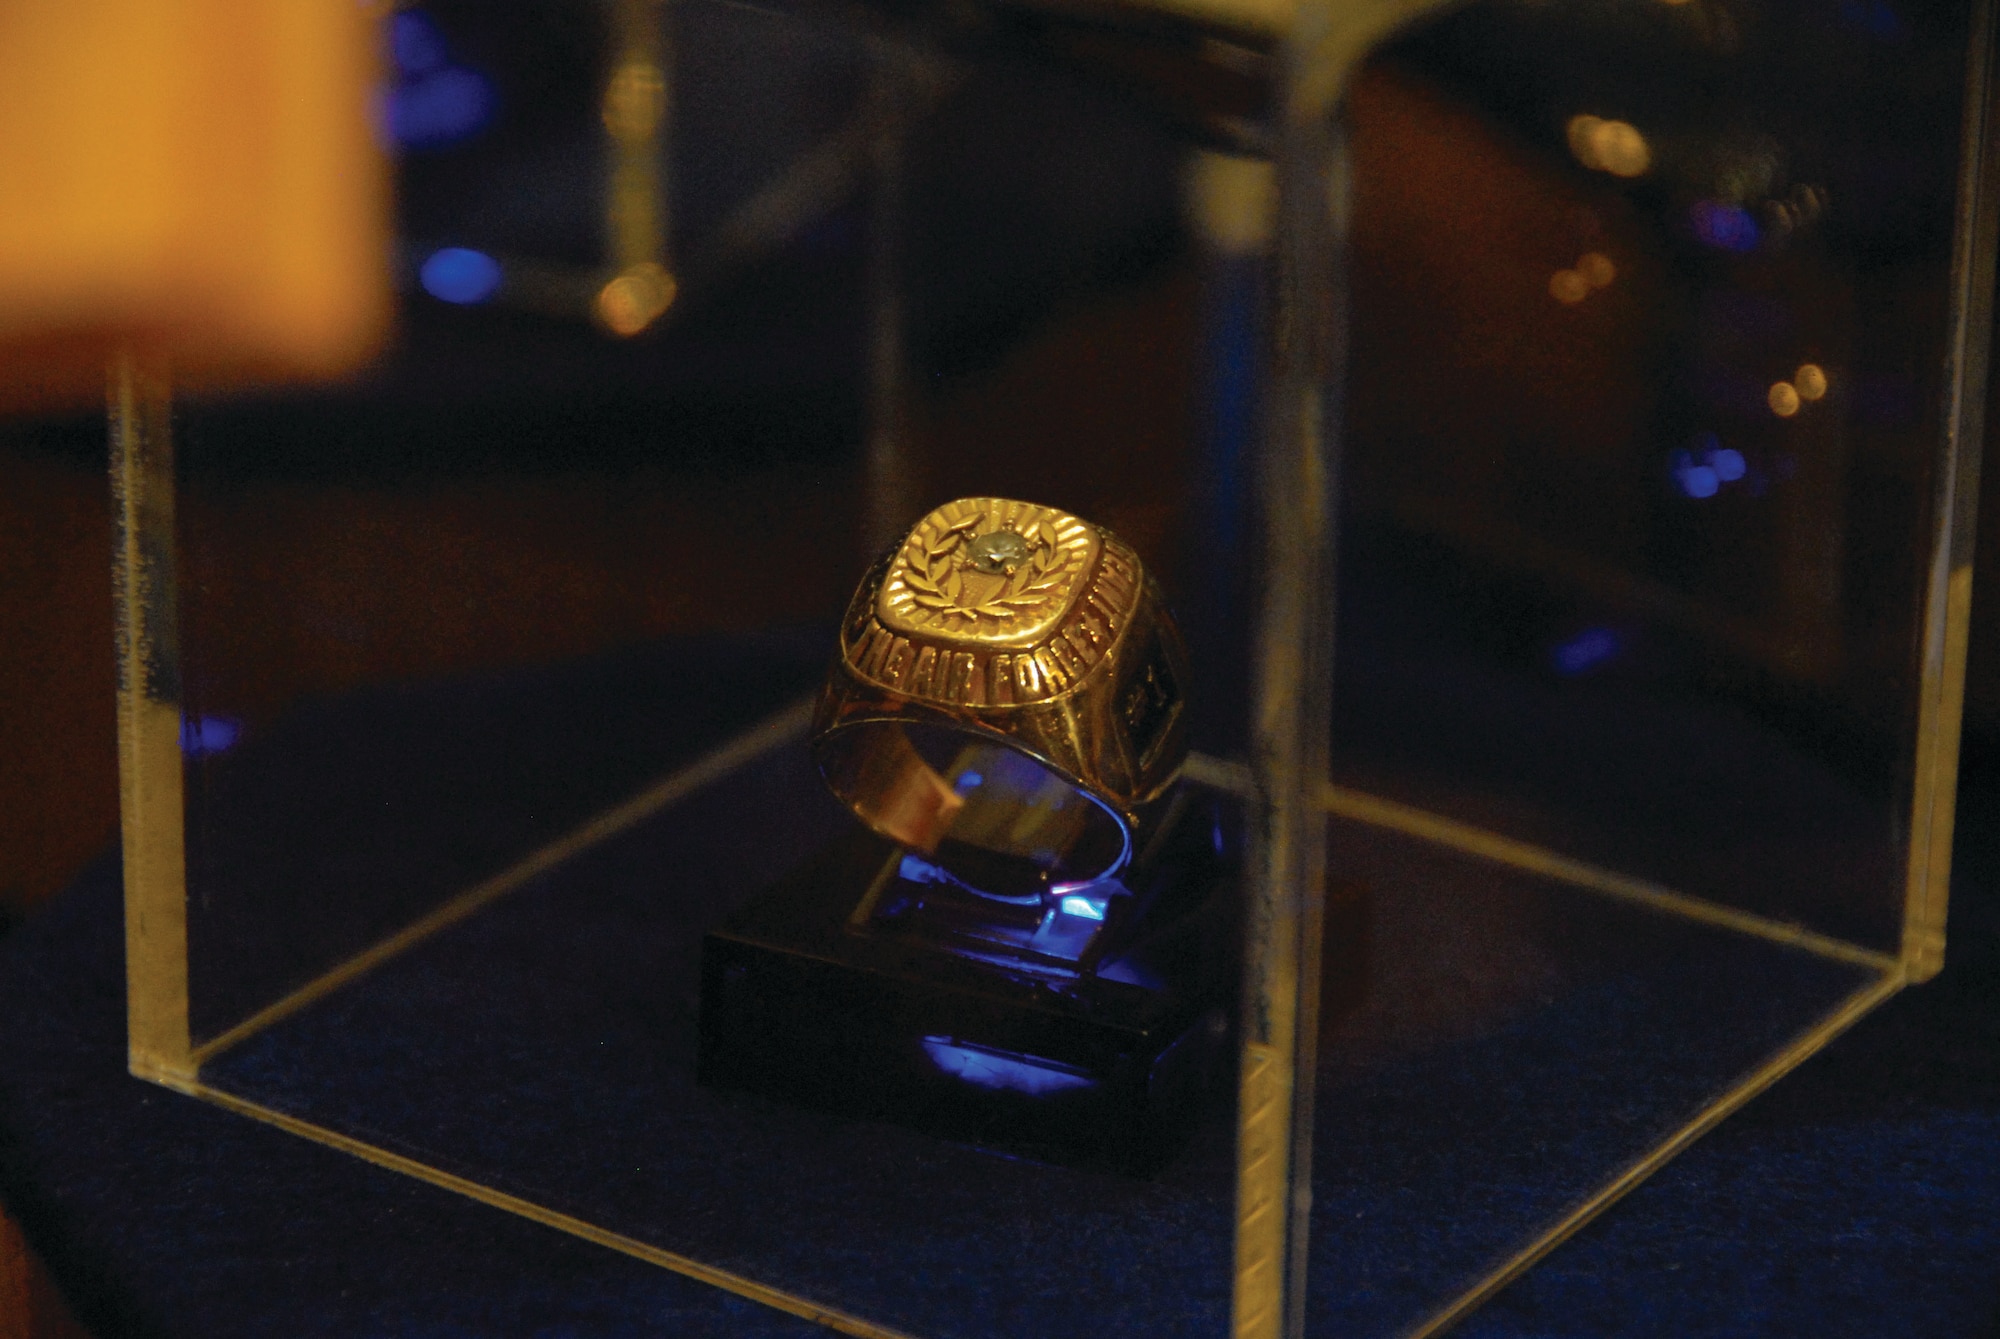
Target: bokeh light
[
  {"x": 1568, "y": 287},
  {"x": 1596, "y": 269},
  {"x": 635, "y": 299},
  {"x": 434, "y": 102},
  {"x": 1783, "y": 399},
  {"x": 1707, "y": 466},
  {"x": 1586, "y": 651},
  {"x": 1810, "y": 381},
  {"x": 202, "y": 736},
  {"x": 1724, "y": 225},
  {"x": 1616, "y": 147},
  {"x": 416, "y": 44},
  {"x": 459, "y": 274},
  {"x": 1700, "y": 481},
  {"x": 636, "y": 102},
  {"x": 1874, "y": 17}
]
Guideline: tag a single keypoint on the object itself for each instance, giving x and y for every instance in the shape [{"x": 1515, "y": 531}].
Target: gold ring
[{"x": 1007, "y": 697}]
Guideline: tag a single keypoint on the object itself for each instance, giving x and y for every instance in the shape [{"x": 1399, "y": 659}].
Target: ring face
[
  {"x": 985, "y": 572},
  {"x": 994, "y": 603},
  {"x": 996, "y": 622}
]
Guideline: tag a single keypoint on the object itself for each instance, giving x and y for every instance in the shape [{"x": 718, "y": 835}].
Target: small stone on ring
[{"x": 1000, "y": 551}]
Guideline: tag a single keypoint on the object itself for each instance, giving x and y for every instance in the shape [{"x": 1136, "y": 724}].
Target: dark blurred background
[
  {"x": 1648, "y": 312},
  {"x": 1563, "y": 456}
]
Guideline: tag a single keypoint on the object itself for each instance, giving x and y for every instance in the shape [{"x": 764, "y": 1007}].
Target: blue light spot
[
  {"x": 1090, "y": 908},
  {"x": 439, "y": 108},
  {"x": 967, "y": 780},
  {"x": 1873, "y": 17},
  {"x": 1702, "y": 471},
  {"x": 460, "y": 274},
  {"x": 203, "y": 735},
  {"x": 416, "y": 43},
  {"x": 916, "y": 869},
  {"x": 1001, "y": 1071},
  {"x": 1725, "y": 226},
  {"x": 1694, "y": 479},
  {"x": 434, "y": 101},
  {"x": 1133, "y": 973},
  {"x": 1586, "y": 651}
]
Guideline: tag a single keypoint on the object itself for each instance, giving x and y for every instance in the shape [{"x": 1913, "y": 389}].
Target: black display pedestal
[{"x": 1104, "y": 1063}]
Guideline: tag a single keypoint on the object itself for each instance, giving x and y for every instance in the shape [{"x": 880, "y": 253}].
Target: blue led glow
[
  {"x": 1586, "y": 651},
  {"x": 967, "y": 780},
  {"x": 1724, "y": 225},
  {"x": 1001, "y": 1071},
  {"x": 1701, "y": 471},
  {"x": 460, "y": 274},
  {"x": 1132, "y": 972},
  {"x": 438, "y": 109},
  {"x": 916, "y": 869},
  {"x": 1701, "y": 474},
  {"x": 416, "y": 43},
  {"x": 433, "y": 102},
  {"x": 203, "y": 735},
  {"x": 1090, "y": 908},
  {"x": 1873, "y": 17}
]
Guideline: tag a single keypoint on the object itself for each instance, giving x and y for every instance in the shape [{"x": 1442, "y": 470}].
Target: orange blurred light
[
  {"x": 1581, "y": 132},
  {"x": 1568, "y": 287},
  {"x": 1811, "y": 381},
  {"x": 635, "y": 103},
  {"x": 1616, "y": 147},
  {"x": 1596, "y": 268},
  {"x": 1784, "y": 399},
  {"x": 197, "y": 177},
  {"x": 635, "y": 299}
]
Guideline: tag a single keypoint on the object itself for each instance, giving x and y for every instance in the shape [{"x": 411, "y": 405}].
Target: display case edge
[
  {"x": 151, "y": 802},
  {"x": 1947, "y": 607}
]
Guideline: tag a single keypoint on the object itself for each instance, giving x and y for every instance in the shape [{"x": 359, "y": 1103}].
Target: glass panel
[
  {"x": 1649, "y": 331},
  {"x": 1650, "y": 328},
  {"x": 435, "y": 620},
  {"x": 494, "y": 661}
]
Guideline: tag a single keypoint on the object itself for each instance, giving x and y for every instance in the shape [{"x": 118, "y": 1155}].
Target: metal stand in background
[
  {"x": 638, "y": 103},
  {"x": 1229, "y": 204},
  {"x": 890, "y": 502}
]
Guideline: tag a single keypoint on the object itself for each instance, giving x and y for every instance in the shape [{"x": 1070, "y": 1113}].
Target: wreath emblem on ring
[{"x": 950, "y": 568}]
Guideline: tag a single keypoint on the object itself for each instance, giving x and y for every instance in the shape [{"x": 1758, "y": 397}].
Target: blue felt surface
[
  {"x": 1855, "y": 1199},
  {"x": 544, "y": 1047},
  {"x": 161, "y": 1216},
  {"x": 1859, "y": 1197}
]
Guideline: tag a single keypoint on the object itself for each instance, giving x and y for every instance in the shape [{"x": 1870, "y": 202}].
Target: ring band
[{"x": 997, "y": 632}]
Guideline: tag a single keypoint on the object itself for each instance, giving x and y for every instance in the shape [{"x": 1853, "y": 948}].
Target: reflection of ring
[{"x": 1008, "y": 696}]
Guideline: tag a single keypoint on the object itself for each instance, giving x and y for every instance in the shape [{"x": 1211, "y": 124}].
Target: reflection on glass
[
  {"x": 1634, "y": 573},
  {"x": 1647, "y": 317}
]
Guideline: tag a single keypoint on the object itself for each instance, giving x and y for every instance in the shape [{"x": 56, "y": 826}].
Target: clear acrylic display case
[{"x": 1626, "y": 366}]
